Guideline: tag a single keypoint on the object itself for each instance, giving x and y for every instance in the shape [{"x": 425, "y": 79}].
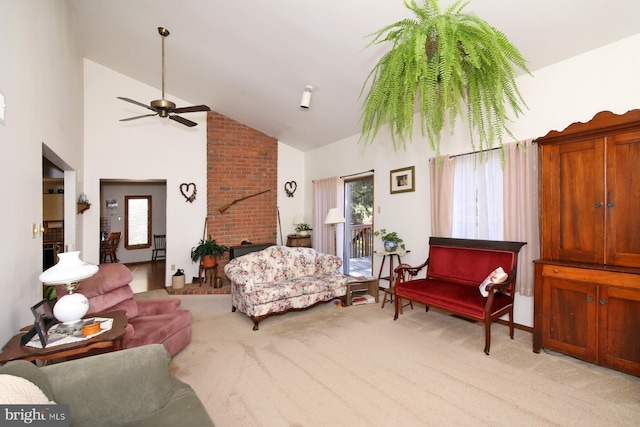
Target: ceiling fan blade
[
  {"x": 183, "y": 121},
  {"x": 192, "y": 109},
  {"x": 138, "y": 117},
  {"x": 137, "y": 103}
]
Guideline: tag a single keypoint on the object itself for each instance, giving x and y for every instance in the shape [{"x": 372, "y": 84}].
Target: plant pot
[
  {"x": 390, "y": 246},
  {"x": 209, "y": 261},
  {"x": 303, "y": 233}
]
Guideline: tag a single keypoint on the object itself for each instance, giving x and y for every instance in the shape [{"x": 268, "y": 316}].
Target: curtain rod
[
  {"x": 359, "y": 173},
  {"x": 485, "y": 151}
]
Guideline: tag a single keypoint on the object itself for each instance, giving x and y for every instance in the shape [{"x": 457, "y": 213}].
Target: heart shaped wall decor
[
  {"x": 290, "y": 187},
  {"x": 185, "y": 189}
]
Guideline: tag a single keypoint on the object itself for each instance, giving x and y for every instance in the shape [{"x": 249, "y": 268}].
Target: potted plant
[
  {"x": 303, "y": 229},
  {"x": 390, "y": 240},
  {"x": 208, "y": 251},
  {"x": 443, "y": 64}
]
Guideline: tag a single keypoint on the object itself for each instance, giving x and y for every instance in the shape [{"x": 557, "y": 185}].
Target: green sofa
[{"x": 132, "y": 387}]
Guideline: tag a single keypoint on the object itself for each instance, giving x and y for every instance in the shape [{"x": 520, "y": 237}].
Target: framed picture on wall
[{"x": 403, "y": 180}]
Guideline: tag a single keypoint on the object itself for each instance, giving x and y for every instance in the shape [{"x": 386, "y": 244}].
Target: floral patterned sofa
[{"x": 280, "y": 279}]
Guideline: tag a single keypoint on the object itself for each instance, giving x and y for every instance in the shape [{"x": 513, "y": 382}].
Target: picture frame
[
  {"x": 402, "y": 180},
  {"x": 41, "y": 329},
  {"x": 43, "y": 308},
  {"x": 43, "y": 319}
]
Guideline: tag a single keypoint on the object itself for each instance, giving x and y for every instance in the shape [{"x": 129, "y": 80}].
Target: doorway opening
[{"x": 358, "y": 248}]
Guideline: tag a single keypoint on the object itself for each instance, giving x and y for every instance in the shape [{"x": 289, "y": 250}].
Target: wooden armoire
[{"x": 587, "y": 282}]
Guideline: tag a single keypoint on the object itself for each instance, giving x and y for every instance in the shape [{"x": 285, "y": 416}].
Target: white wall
[
  {"x": 41, "y": 78},
  {"x": 290, "y": 168},
  {"x": 558, "y": 95},
  {"x": 150, "y": 148}
]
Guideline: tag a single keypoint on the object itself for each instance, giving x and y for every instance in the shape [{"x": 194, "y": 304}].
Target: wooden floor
[{"x": 147, "y": 276}]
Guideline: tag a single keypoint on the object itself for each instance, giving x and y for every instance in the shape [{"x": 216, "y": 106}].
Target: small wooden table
[
  {"x": 369, "y": 284},
  {"x": 391, "y": 290},
  {"x": 108, "y": 341},
  {"x": 295, "y": 241}
]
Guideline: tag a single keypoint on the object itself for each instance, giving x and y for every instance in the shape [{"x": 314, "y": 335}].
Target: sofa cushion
[
  {"x": 118, "y": 299},
  {"x": 305, "y": 285},
  {"x": 108, "y": 278},
  {"x": 157, "y": 328}
]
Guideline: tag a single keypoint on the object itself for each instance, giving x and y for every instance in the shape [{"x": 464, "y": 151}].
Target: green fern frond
[{"x": 471, "y": 72}]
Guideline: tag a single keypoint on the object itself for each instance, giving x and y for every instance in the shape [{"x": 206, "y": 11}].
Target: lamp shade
[
  {"x": 70, "y": 268},
  {"x": 298, "y": 219},
  {"x": 334, "y": 216}
]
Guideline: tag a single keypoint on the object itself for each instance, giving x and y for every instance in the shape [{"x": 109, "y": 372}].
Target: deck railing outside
[{"x": 361, "y": 240}]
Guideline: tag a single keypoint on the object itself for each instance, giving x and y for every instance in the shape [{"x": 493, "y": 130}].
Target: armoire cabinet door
[
  {"x": 569, "y": 322},
  {"x": 574, "y": 201},
  {"x": 623, "y": 199},
  {"x": 619, "y": 319}
]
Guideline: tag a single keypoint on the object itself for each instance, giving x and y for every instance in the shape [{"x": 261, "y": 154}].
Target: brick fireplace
[{"x": 241, "y": 161}]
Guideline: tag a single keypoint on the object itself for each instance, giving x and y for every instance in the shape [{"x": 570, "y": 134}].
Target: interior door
[{"x": 358, "y": 247}]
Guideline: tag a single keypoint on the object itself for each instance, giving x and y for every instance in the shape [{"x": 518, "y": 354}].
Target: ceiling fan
[{"x": 163, "y": 107}]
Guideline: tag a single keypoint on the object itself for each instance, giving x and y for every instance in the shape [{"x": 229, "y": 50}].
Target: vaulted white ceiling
[{"x": 251, "y": 59}]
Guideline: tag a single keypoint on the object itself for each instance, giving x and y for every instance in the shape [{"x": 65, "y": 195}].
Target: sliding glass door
[{"x": 358, "y": 247}]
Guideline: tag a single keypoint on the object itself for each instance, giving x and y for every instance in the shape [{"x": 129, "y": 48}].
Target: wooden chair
[
  {"x": 391, "y": 290},
  {"x": 159, "y": 247},
  {"x": 109, "y": 248}
]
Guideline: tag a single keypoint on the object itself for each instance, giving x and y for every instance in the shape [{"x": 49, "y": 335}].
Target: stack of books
[{"x": 363, "y": 299}]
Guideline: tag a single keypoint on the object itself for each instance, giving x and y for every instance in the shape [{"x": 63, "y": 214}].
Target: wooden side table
[
  {"x": 108, "y": 341},
  {"x": 295, "y": 241},
  {"x": 391, "y": 290},
  {"x": 369, "y": 284}
]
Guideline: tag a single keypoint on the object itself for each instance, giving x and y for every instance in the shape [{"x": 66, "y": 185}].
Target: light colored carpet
[{"x": 355, "y": 366}]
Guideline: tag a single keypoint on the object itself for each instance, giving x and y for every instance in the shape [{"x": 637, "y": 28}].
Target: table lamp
[
  {"x": 334, "y": 217},
  {"x": 69, "y": 271}
]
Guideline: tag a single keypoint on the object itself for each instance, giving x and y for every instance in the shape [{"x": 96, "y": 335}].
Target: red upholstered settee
[
  {"x": 455, "y": 270},
  {"x": 150, "y": 320}
]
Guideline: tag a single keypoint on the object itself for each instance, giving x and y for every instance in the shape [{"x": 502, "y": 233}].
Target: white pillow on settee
[
  {"x": 19, "y": 391},
  {"x": 496, "y": 276}
]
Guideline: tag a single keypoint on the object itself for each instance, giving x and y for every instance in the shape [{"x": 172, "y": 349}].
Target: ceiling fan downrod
[{"x": 163, "y": 105}]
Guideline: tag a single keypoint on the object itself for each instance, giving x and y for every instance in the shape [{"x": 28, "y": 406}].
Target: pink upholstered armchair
[{"x": 150, "y": 320}]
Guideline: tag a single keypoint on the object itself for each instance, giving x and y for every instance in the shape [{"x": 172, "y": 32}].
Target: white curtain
[
  {"x": 473, "y": 197},
  {"x": 521, "y": 207},
  {"x": 326, "y": 195},
  {"x": 477, "y": 207}
]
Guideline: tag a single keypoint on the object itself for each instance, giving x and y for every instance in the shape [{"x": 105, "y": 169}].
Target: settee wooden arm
[
  {"x": 405, "y": 272},
  {"x": 409, "y": 269},
  {"x": 505, "y": 287}
]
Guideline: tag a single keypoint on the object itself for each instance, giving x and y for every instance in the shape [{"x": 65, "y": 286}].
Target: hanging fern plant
[{"x": 444, "y": 64}]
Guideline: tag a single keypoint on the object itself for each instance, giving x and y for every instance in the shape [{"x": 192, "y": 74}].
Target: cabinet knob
[
  {"x": 611, "y": 204},
  {"x": 556, "y": 271},
  {"x": 598, "y": 204},
  {"x": 589, "y": 299},
  {"x": 603, "y": 301}
]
